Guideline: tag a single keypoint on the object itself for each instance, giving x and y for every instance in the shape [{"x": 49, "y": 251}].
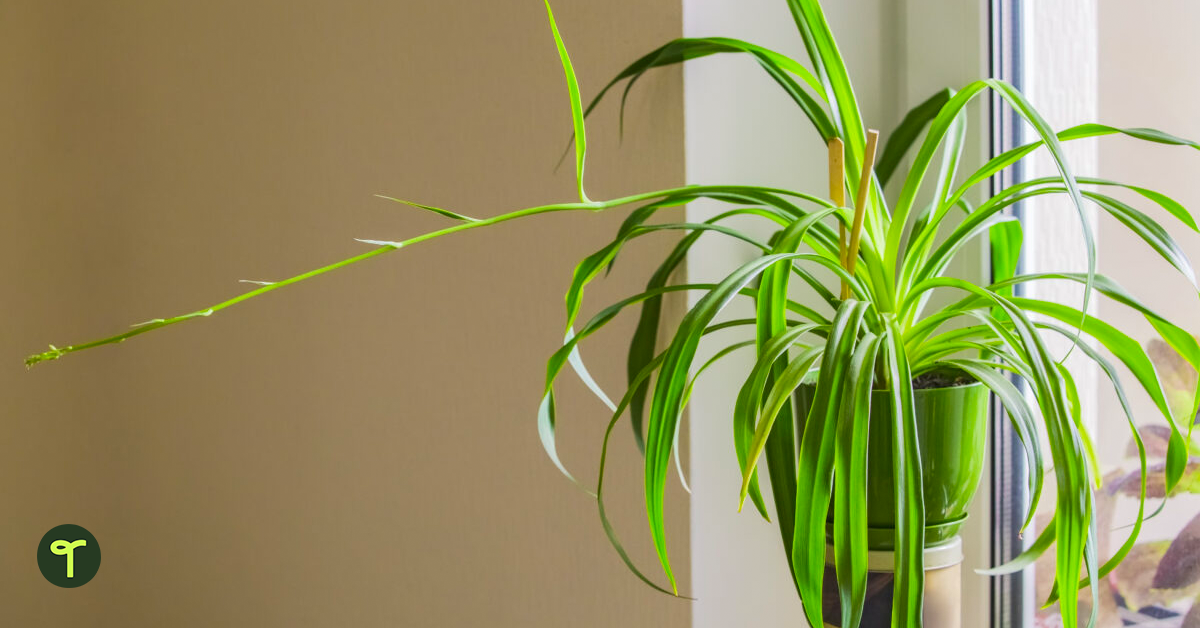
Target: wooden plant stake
[
  {"x": 837, "y": 194},
  {"x": 860, "y": 207}
]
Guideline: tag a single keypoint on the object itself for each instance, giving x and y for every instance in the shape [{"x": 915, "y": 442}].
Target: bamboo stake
[
  {"x": 837, "y": 194},
  {"x": 860, "y": 207}
]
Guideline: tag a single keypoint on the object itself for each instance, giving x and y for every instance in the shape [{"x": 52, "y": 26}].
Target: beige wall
[{"x": 359, "y": 450}]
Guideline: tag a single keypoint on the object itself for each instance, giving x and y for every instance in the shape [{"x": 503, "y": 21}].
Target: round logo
[{"x": 68, "y": 556}]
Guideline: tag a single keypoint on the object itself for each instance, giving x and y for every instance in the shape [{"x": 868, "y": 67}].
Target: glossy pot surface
[{"x": 952, "y": 437}]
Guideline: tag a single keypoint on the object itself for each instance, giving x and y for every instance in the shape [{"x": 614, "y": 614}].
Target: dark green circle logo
[{"x": 68, "y": 556}]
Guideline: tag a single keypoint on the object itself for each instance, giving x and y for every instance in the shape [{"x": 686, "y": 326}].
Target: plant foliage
[{"x": 882, "y": 336}]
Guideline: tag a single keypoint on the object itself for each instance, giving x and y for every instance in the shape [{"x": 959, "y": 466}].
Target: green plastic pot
[{"x": 952, "y": 437}]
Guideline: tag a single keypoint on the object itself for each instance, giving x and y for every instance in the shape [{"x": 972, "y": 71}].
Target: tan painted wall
[{"x": 359, "y": 450}]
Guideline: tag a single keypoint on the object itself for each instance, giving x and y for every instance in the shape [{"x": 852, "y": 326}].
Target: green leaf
[
  {"x": 1023, "y": 422},
  {"x": 642, "y": 346},
  {"x": 1005, "y": 240},
  {"x": 814, "y": 482},
  {"x": 642, "y": 343},
  {"x": 577, "y": 365},
  {"x": 942, "y": 125},
  {"x": 1149, "y": 231},
  {"x": 779, "y": 67},
  {"x": 547, "y": 410},
  {"x": 437, "y": 210},
  {"x": 1182, "y": 342},
  {"x": 667, "y": 400},
  {"x": 1134, "y": 357},
  {"x": 907, "y": 132},
  {"x": 1075, "y": 406},
  {"x": 1114, "y": 379},
  {"x": 609, "y": 530},
  {"x": 908, "y": 594},
  {"x": 618, "y": 411},
  {"x": 1170, "y": 205},
  {"x": 749, "y": 402},
  {"x": 576, "y": 106},
  {"x": 850, "y": 483},
  {"x": 750, "y": 448},
  {"x": 772, "y": 320},
  {"x": 780, "y": 446},
  {"x": 1026, "y": 558},
  {"x": 1075, "y": 529},
  {"x": 831, "y": 71},
  {"x": 687, "y": 395},
  {"x": 590, "y": 267},
  {"x": 930, "y": 216},
  {"x": 970, "y": 228},
  {"x": 1013, "y": 155}
]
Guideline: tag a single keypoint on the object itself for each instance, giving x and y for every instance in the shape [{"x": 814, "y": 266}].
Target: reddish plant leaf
[
  {"x": 1155, "y": 438},
  {"x": 1156, "y": 481},
  {"x": 1177, "y": 376},
  {"x": 1175, "y": 372},
  {"x": 1180, "y": 566}
]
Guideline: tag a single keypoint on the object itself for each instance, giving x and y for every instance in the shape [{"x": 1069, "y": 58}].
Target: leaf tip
[
  {"x": 53, "y": 353},
  {"x": 383, "y": 243}
]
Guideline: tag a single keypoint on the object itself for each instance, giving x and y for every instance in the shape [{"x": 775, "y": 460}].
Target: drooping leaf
[
  {"x": 850, "y": 477},
  {"x": 779, "y": 67},
  {"x": 749, "y": 402},
  {"x": 1131, "y": 354},
  {"x": 1082, "y": 131},
  {"x": 1023, "y": 422},
  {"x": 1149, "y": 231},
  {"x": 1074, "y": 536},
  {"x": 667, "y": 400},
  {"x": 908, "y": 593},
  {"x": 814, "y": 482},
  {"x": 591, "y": 266},
  {"x": 547, "y": 411},
  {"x": 780, "y": 444},
  {"x": 609, "y": 530}
]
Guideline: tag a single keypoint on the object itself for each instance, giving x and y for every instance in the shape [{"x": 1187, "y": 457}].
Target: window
[
  {"x": 1012, "y": 602},
  {"x": 1083, "y": 61}
]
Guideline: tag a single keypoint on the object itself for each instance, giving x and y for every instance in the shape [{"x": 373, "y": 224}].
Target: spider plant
[{"x": 877, "y": 335}]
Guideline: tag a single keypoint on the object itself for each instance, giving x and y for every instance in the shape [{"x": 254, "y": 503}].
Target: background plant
[{"x": 882, "y": 335}]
